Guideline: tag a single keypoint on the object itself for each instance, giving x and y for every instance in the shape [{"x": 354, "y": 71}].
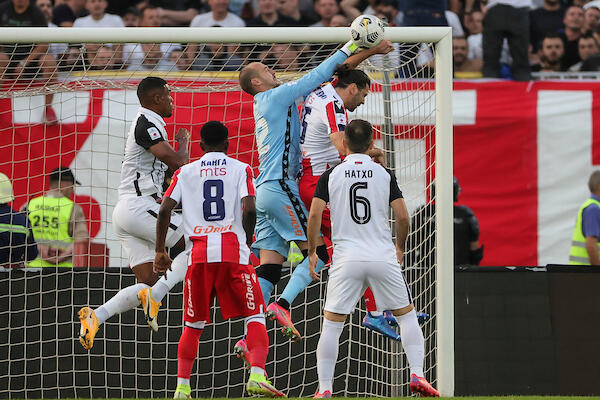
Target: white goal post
[{"x": 440, "y": 39}]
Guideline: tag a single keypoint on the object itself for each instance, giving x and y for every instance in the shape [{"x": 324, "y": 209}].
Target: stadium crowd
[{"x": 491, "y": 38}]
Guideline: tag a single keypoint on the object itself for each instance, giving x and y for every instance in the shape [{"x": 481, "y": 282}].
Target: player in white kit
[
  {"x": 147, "y": 157},
  {"x": 360, "y": 192}
]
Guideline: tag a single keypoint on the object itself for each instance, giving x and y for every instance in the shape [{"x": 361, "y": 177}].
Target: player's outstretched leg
[
  {"x": 327, "y": 354},
  {"x": 151, "y": 298},
  {"x": 258, "y": 350},
  {"x": 186, "y": 355},
  {"x": 300, "y": 279},
  {"x": 91, "y": 320},
  {"x": 414, "y": 347}
]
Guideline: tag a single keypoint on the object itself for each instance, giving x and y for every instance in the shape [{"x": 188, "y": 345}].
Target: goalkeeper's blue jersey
[{"x": 277, "y": 123}]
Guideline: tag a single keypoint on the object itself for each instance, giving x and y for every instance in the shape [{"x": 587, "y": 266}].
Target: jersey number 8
[{"x": 216, "y": 212}]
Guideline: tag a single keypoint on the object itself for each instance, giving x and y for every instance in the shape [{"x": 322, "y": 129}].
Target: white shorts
[
  {"x": 134, "y": 223},
  {"x": 348, "y": 281}
]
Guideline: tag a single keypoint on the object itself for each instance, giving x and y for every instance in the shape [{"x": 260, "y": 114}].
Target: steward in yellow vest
[
  {"x": 585, "y": 248},
  {"x": 57, "y": 222}
]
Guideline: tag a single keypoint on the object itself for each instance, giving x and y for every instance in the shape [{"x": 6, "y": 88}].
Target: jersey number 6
[{"x": 355, "y": 200}]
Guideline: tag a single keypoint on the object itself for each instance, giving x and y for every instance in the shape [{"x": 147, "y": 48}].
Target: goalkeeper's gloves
[{"x": 349, "y": 48}]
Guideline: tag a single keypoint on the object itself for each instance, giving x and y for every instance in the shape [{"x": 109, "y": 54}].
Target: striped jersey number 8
[
  {"x": 213, "y": 205},
  {"x": 355, "y": 200}
]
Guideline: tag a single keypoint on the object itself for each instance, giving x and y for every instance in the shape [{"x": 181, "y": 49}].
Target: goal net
[{"x": 90, "y": 86}]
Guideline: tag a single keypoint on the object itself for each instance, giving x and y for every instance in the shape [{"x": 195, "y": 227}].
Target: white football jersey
[
  {"x": 359, "y": 192},
  {"x": 323, "y": 114},
  {"x": 211, "y": 190},
  {"x": 142, "y": 174}
]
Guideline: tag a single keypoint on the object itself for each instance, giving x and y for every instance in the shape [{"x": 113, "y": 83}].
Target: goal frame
[{"x": 440, "y": 36}]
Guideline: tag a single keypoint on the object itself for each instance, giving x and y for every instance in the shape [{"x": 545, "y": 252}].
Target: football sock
[
  {"x": 177, "y": 274},
  {"x": 370, "y": 302},
  {"x": 266, "y": 287},
  {"x": 258, "y": 343},
  {"x": 327, "y": 353},
  {"x": 299, "y": 280},
  {"x": 125, "y": 300},
  {"x": 187, "y": 350},
  {"x": 412, "y": 341},
  {"x": 183, "y": 381}
]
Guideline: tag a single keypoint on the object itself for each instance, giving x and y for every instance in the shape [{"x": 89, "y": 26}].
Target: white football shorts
[
  {"x": 134, "y": 223},
  {"x": 348, "y": 281}
]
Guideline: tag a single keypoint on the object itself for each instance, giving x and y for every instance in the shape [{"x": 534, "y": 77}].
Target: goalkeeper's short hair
[{"x": 214, "y": 133}]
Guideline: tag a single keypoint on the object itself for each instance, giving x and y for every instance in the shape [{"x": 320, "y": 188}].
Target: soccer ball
[{"x": 367, "y": 31}]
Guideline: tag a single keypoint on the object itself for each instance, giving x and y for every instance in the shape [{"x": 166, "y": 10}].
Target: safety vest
[
  {"x": 49, "y": 218},
  {"x": 578, "y": 254}
]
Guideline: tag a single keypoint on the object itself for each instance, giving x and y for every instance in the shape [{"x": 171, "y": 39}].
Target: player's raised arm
[{"x": 355, "y": 59}]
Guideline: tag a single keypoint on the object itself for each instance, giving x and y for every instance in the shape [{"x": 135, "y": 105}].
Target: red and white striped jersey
[
  {"x": 323, "y": 114},
  {"x": 211, "y": 190}
]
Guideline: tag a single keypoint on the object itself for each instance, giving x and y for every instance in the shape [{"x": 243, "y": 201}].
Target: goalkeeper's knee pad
[{"x": 269, "y": 272}]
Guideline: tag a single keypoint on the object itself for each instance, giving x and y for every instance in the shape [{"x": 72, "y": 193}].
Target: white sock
[
  {"x": 123, "y": 301},
  {"x": 327, "y": 353},
  {"x": 183, "y": 381},
  {"x": 412, "y": 341},
  {"x": 375, "y": 313},
  {"x": 257, "y": 370},
  {"x": 177, "y": 274}
]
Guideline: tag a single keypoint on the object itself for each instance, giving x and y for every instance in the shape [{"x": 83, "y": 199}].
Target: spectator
[
  {"x": 474, "y": 40},
  {"x": 325, "y": 9},
  {"x": 218, "y": 15},
  {"x": 551, "y": 54},
  {"x": 387, "y": 10},
  {"x": 154, "y": 59},
  {"x": 98, "y": 18},
  {"x": 467, "y": 250},
  {"x": 26, "y": 62},
  {"x": 463, "y": 66},
  {"x": 591, "y": 18},
  {"x": 63, "y": 16},
  {"x": 354, "y": 8},
  {"x": 175, "y": 12},
  {"x": 78, "y": 7},
  {"x": 131, "y": 17},
  {"x": 179, "y": 58},
  {"x": 339, "y": 20},
  {"x": 58, "y": 222},
  {"x": 587, "y": 47},
  {"x": 421, "y": 240},
  {"x": 284, "y": 57},
  {"x": 46, "y": 7},
  {"x": 290, "y": 9},
  {"x": 103, "y": 59},
  {"x": 570, "y": 35},
  {"x": 217, "y": 57},
  {"x": 269, "y": 16},
  {"x": 134, "y": 54},
  {"x": 584, "y": 243},
  {"x": 544, "y": 20},
  {"x": 506, "y": 19},
  {"x": 17, "y": 245}
]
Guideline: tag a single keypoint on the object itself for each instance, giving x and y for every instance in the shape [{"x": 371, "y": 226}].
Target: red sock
[
  {"x": 258, "y": 344},
  {"x": 370, "y": 300},
  {"x": 187, "y": 350}
]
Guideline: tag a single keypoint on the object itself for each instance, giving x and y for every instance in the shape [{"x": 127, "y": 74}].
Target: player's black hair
[
  {"x": 148, "y": 85},
  {"x": 358, "y": 135},
  {"x": 214, "y": 133},
  {"x": 345, "y": 77}
]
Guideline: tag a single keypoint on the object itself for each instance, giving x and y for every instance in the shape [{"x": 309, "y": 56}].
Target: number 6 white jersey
[
  {"x": 211, "y": 190},
  {"x": 359, "y": 192}
]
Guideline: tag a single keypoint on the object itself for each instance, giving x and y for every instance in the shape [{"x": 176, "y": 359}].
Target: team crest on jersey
[{"x": 154, "y": 133}]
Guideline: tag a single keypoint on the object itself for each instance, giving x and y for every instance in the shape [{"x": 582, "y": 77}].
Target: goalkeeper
[{"x": 281, "y": 215}]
